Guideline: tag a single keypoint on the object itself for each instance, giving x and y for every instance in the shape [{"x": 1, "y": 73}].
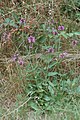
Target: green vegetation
[{"x": 39, "y": 60}]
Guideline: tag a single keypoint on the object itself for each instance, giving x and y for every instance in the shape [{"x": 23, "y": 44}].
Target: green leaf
[
  {"x": 52, "y": 73},
  {"x": 74, "y": 82},
  {"x": 42, "y": 38},
  {"x": 47, "y": 98},
  {"x": 78, "y": 89},
  {"x": 51, "y": 84},
  {"x": 77, "y": 33},
  {"x": 47, "y": 58},
  {"x": 7, "y": 20},
  {"x": 49, "y": 108},
  {"x": 1, "y": 111},
  {"x": 43, "y": 26},
  {"x": 40, "y": 91},
  {"x": 68, "y": 82},
  {"x": 50, "y": 35},
  {"x": 46, "y": 47},
  {"x": 50, "y": 66},
  {"x": 70, "y": 34},
  {"x": 51, "y": 90},
  {"x": 19, "y": 96},
  {"x": 33, "y": 105},
  {"x": 64, "y": 35}
]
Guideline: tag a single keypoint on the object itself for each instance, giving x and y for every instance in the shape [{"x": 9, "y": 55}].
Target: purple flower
[
  {"x": 50, "y": 50},
  {"x": 15, "y": 57},
  {"x": 61, "y": 27},
  {"x": 31, "y": 39},
  {"x": 20, "y": 61},
  {"x": 9, "y": 36},
  {"x": 52, "y": 21},
  {"x": 63, "y": 55},
  {"x": 74, "y": 42},
  {"x": 5, "y": 37},
  {"x": 22, "y": 20},
  {"x": 54, "y": 32},
  {"x": 30, "y": 47}
]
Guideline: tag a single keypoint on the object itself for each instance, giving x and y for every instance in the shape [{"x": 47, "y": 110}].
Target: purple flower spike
[
  {"x": 74, "y": 42},
  {"x": 51, "y": 50},
  {"x": 22, "y": 20},
  {"x": 15, "y": 57},
  {"x": 21, "y": 62},
  {"x": 63, "y": 55},
  {"x": 60, "y": 27},
  {"x": 31, "y": 39}
]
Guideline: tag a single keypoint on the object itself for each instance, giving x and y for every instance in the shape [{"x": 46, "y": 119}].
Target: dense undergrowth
[{"x": 39, "y": 60}]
